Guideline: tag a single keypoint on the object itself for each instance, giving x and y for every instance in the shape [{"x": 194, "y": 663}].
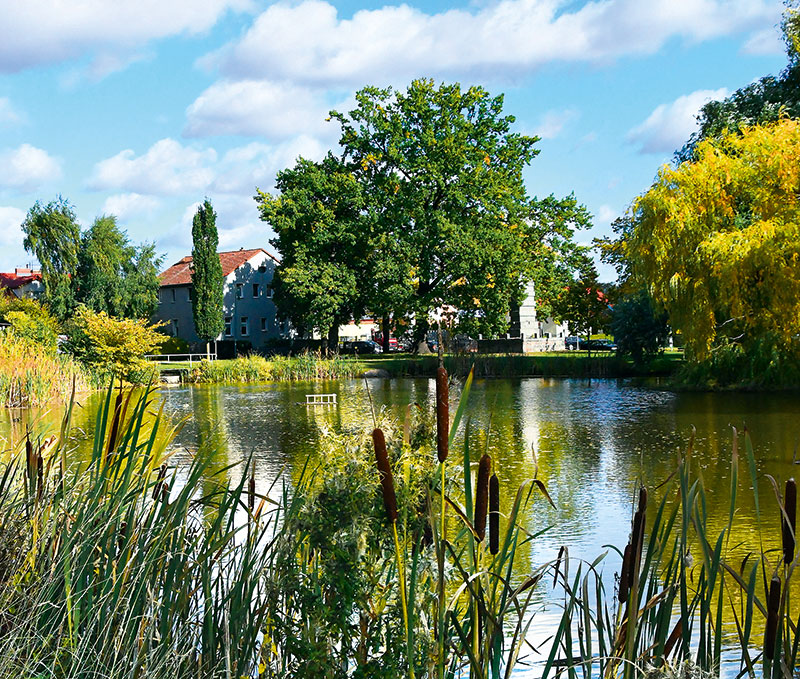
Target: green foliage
[
  {"x": 207, "y": 279},
  {"x": 640, "y": 331},
  {"x": 175, "y": 345},
  {"x": 426, "y": 208},
  {"x": 52, "y": 235},
  {"x": 114, "y": 276},
  {"x": 321, "y": 235},
  {"x": 98, "y": 268},
  {"x": 583, "y": 305},
  {"x": 717, "y": 241},
  {"x": 113, "y": 346},
  {"x": 31, "y": 320}
]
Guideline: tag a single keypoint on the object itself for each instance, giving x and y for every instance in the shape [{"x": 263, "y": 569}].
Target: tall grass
[
  {"x": 32, "y": 375},
  {"x": 255, "y": 368},
  {"x": 116, "y": 569}
]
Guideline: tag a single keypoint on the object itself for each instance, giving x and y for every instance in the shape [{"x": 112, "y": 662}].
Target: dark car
[
  {"x": 598, "y": 345},
  {"x": 360, "y": 347},
  {"x": 572, "y": 342},
  {"x": 463, "y": 344}
]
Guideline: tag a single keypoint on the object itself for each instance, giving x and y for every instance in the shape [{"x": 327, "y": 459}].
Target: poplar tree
[{"x": 207, "y": 280}]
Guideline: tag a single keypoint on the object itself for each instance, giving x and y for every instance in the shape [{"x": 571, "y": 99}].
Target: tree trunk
[
  {"x": 385, "y": 331},
  {"x": 333, "y": 338}
]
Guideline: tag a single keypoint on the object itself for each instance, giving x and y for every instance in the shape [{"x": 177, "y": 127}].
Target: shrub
[
  {"x": 175, "y": 345},
  {"x": 30, "y": 320},
  {"x": 113, "y": 346}
]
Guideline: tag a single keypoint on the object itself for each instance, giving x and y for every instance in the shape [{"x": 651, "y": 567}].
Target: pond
[{"x": 592, "y": 442}]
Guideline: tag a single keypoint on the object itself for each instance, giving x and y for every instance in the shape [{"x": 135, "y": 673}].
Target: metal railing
[{"x": 179, "y": 358}]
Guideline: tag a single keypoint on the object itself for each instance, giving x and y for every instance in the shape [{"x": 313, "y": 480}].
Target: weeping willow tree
[{"x": 717, "y": 241}]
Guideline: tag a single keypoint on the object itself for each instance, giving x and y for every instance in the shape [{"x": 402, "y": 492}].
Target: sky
[{"x": 142, "y": 109}]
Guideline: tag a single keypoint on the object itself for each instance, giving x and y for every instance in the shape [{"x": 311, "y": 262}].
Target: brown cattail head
[
  {"x": 482, "y": 496},
  {"x": 158, "y": 489},
  {"x": 773, "y": 605},
  {"x": 788, "y": 521},
  {"x": 442, "y": 414},
  {"x": 494, "y": 514},
  {"x": 642, "y": 499},
  {"x": 625, "y": 575},
  {"x": 385, "y": 471},
  {"x": 251, "y": 489}
]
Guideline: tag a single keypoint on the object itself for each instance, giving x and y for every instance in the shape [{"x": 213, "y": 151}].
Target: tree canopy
[
  {"x": 426, "y": 209},
  {"x": 320, "y": 226},
  {"x": 98, "y": 268},
  {"x": 717, "y": 240},
  {"x": 207, "y": 278}
]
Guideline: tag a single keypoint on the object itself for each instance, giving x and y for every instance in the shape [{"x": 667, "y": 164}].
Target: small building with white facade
[
  {"x": 25, "y": 283},
  {"x": 249, "y": 311}
]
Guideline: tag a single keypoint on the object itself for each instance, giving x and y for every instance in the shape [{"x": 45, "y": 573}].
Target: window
[
  {"x": 173, "y": 294},
  {"x": 256, "y": 289},
  {"x": 174, "y": 327},
  {"x": 228, "y": 330},
  {"x": 263, "y": 324},
  {"x": 269, "y": 292},
  {"x": 239, "y": 291},
  {"x": 245, "y": 326},
  {"x": 188, "y": 294}
]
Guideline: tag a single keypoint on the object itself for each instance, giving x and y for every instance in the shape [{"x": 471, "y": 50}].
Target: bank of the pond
[
  {"x": 276, "y": 369},
  {"x": 545, "y": 364}
]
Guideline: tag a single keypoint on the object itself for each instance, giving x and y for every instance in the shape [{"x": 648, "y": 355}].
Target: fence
[{"x": 178, "y": 358}]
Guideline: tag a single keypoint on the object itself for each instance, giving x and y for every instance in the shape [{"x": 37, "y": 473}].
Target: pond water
[{"x": 590, "y": 441}]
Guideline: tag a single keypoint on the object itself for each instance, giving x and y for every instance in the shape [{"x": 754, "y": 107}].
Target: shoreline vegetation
[{"x": 400, "y": 555}]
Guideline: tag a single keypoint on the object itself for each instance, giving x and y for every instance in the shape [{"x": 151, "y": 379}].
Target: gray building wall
[{"x": 250, "y": 314}]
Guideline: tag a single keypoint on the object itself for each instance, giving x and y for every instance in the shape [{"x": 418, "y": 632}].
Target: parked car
[
  {"x": 360, "y": 347},
  {"x": 598, "y": 345},
  {"x": 463, "y": 344},
  {"x": 572, "y": 342}
]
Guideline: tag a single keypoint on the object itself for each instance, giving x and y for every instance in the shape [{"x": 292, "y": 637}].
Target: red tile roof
[
  {"x": 15, "y": 280},
  {"x": 180, "y": 273}
]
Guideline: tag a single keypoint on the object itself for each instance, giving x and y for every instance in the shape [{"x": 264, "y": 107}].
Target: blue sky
[{"x": 143, "y": 109}]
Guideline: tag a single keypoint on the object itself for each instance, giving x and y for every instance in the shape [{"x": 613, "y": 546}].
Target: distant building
[
  {"x": 536, "y": 334},
  {"x": 248, "y": 309},
  {"x": 24, "y": 283}
]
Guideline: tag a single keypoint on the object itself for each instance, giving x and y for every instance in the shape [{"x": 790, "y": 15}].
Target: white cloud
[
  {"x": 605, "y": 215},
  {"x": 11, "y": 251},
  {"x": 308, "y": 43},
  {"x": 8, "y": 115},
  {"x": 26, "y": 168},
  {"x": 38, "y": 32},
  {"x": 552, "y": 123},
  {"x": 167, "y": 168},
  {"x": 272, "y": 110},
  {"x": 126, "y": 205},
  {"x": 669, "y": 126},
  {"x": 766, "y": 42}
]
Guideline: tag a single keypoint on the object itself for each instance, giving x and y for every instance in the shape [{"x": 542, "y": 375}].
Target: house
[
  {"x": 23, "y": 283},
  {"x": 248, "y": 308}
]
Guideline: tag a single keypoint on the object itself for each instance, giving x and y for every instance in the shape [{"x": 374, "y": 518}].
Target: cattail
[
  {"x": 159, "y": 488},
  {"x": 442, "y": 414},
  {"x": 773, "y": 605},
  {"x": 788, "y": 521},
  {"x": 482, "y": 496},
  {"x": 112, "y": 438},
  {"x": 251, "y": 489},
  {"x": 39, "y": 475},
  {"x": 494, "y": 514},
  {"x": 625, "y": 575},
  {"x": 385, "y": 471}
]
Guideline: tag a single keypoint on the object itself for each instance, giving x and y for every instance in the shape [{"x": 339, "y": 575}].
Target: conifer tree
[{"x": 207, "y": 280}]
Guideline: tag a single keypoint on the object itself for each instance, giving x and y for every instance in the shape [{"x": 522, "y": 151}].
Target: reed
[
  {"x": 31, "y": 375},
  {"x": 254, "y": 368}
]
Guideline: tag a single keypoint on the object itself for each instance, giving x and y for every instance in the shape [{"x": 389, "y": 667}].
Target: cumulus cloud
[
  {"x": 166, "y": 168},
  {"x": 766, "y": 42},
  {"x": 275, "y": 111},
  {"x": 669, "y": 126},
  {"x": 308, "y": 43},
  {"x": 26, "y": 168},
  {"x": 126, "y": 205},
  {"x": 11, "y": 251},
  {"x": 8, "y": 115},
  {"x": 39, "y": 32}
]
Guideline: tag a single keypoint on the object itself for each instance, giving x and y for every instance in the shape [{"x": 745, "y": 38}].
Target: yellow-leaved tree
[{"x": 717, "y": 241}]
